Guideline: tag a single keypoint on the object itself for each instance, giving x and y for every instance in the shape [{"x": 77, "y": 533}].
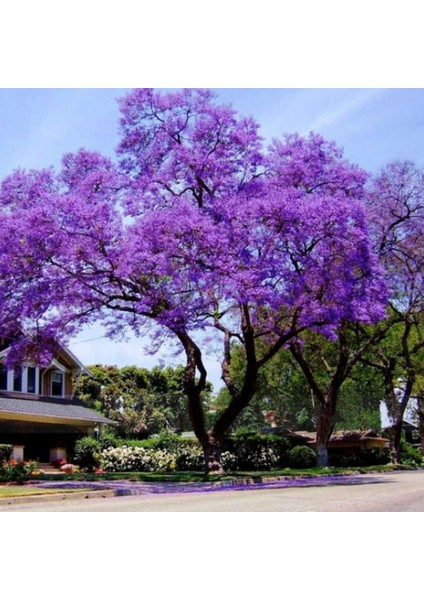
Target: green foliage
[
  {"x": 108, "y": 440},
  {"x": 148, "y": 460},
  {"x": 359, "y": 400},
  {"x": 87, "y": 453},
  {"x": 410, "y": 455},
  {"x": 244, "y": 452},
  {"x": 17, "y": 471},
  {"x": 301, "y": 457},
  {"x": 363, "y": 458},
  {"x": 131, "y": 459},
  {"x": 142, "y": 402},
  {"x": 5, "y": 452},
  {"x": 281, "y": 390},
  {"x": 189, "y": 457},
  {"x": 258, "y": 451}
]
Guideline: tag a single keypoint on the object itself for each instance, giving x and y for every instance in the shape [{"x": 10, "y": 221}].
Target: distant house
[
  {"x": 39, "y": 414},
  {"x": 410, "y": 426},
  {"x": 349, "y": 443}
]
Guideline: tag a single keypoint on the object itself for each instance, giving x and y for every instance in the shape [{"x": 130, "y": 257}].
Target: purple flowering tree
[
  {"x": 396, "y": 215},
  {"x": 196, "y": 235}
]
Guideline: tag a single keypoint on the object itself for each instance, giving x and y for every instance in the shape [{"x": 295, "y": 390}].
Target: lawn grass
[
  {"x": 199, "y": 476},
  {"x": 15, "y": 491}
]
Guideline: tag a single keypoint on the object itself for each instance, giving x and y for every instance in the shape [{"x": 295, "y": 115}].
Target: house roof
[
  {"x": 346, "y": 436},
  {"x": 69, "y": 410},
  {"x": 63, "y": 350},
  {"x": 295, "y": 436}
]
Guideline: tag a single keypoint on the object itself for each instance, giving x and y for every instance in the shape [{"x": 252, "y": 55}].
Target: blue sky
[{"x": 374, "y": 126}]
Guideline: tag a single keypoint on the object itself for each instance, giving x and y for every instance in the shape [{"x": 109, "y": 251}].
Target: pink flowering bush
[
  {"x": 17, "y": 471},
  {"x": 68, "y": 468}
]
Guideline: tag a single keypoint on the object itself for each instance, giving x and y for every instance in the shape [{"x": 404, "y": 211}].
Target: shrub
[
  {"x": 190, "y": 458},
  {"x": 135, "y": 458},
  {"x": 229, "y": 460},
  {"x": 363, "y": 458},
  {"x": 108, "y": 440},
  {"x": 5, "y": 452},
  {"x": 374, "y": 456},
  {"x": 127, "y": 458},
  {"x": 17, "y": 471},
  {"x": 301, "y": 457},
  {"x": 68, "y": 468},
  {"x": 170, "y": 452},
  {"x": 87, "y": 453},
  {"x": 410, "y": 455},
  {"x": 340, "y": 460},
  {"x": 258, "y": 451}
]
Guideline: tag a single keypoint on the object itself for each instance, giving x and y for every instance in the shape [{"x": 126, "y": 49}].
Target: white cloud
[{"x": 356, "y": 100}]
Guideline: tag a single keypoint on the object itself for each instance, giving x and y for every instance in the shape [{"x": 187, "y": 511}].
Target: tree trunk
[
  {"x": 396, "y": 407},
  {"x": 321, "y": 453},
  {"x": 395, "y": 438},
  {"x": 324, "y": 430},
  {"x": 420, "y": 402},
  {"x": 212, "y": 452}
]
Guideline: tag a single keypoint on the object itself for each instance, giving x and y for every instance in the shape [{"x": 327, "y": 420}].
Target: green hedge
[
  {"x": 5, "y": 452},
  {"x": 301, "y": 457},
  {"x": 244, "y": 452},
  {"x": 410, "y": 455},
  {"x": 87, "y": 453},
  {"x": 258, "y": 451}
]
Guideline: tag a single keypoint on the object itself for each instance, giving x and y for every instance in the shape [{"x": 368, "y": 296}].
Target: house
[
  {"x": 349, "y": 443},
  {"x": 410, "y": 425},
  {"x": 39, "y": 414}
]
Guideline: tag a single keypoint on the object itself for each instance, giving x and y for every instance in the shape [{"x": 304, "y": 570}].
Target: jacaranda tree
[
  {"x": 195, "y": 234},
  {"x": 396, "y": 218}
]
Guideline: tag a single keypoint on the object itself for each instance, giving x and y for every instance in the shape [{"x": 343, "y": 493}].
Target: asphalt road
[{"x": 389, "y": 492}]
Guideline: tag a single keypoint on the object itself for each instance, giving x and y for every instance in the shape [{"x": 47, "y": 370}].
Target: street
[{"x": 388, "y": 492}]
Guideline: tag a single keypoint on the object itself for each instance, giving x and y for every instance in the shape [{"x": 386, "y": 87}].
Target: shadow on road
[{"x": 127, "y": 488}]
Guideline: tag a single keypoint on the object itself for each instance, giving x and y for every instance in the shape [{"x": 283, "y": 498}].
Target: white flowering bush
[
  {"x": 263, "y": 458},
  {"x": 190, "y": 458},
  {"x": 229, "y": 461},
  {"x": 133, "y": 458},
  {"x": 252, "y": 453},
  {"x": 127, "y": 458},
  {"x": 258, "y": 451},
  {"x": 164, "y": 461}
]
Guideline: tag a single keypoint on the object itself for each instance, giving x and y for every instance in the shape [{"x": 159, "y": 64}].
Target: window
[
  {"x": 57, "y": 384},
  {"x": 17, "y": 380},
  {"x": 31, "y": 380},
  {"x": 3, "y": 378}
]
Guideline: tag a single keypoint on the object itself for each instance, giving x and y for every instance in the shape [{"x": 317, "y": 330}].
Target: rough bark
[
  {"x": 327, "y": 402},
  {"x": 193, "y": 389},
  {"x": 420, "y": 402},
  {"x": 395, "y": 438},
  {"x": 396, "y": 407},
  {"x": 324, "y": 430},
  {"x": 212, "y": 451}
]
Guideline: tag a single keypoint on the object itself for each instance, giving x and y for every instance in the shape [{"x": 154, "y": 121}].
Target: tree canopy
[
  {"x": 195, "y": 233},
  {"x": 142, "y": 402}
]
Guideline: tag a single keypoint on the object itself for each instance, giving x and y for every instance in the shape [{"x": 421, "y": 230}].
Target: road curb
[
  {"x": 117, "y": 491},
  {"x": 57, "y": 497}
]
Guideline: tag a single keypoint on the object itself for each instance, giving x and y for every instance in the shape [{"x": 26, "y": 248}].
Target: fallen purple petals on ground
[{"x": 125, "y": 487}]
